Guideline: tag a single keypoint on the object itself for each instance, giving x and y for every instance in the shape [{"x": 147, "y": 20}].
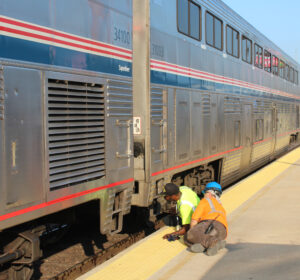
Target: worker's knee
[{"x": 191, "y": 236}]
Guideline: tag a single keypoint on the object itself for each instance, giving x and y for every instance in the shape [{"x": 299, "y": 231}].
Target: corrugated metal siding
[
  {"x": 231, "y": 167},
  {"x": 282, "y": 142},
  {"x": 261, "y": 150}
]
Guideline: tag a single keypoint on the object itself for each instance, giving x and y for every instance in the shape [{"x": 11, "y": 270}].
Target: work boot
[
  {"x": 197, "y": 248},
  {"x": 214, "y": 250}
]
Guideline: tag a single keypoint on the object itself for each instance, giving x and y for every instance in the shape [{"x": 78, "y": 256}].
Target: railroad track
[{"x": 53, "y": 266}]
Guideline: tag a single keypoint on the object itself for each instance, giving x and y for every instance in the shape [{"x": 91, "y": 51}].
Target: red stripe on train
[
  {"x": 53, "y": 32},
  {"x": 45, "y": 38},
  {"x": 194, "y": 161},
  {"x": 61, "y": 199}
]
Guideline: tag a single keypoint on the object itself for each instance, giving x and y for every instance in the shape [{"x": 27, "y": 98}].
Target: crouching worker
[
  {"x": 208, "y": 228},
  {"x": 187, "y": 201}
]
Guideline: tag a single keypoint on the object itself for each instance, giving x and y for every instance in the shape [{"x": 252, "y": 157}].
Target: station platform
[{"x": 263, "y": 241}]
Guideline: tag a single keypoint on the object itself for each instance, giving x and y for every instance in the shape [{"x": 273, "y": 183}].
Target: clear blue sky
[{"x": 278, "y": 20}]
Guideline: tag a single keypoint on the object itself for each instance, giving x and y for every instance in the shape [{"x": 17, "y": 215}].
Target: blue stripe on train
[
  {"x": 188, "y": 82},
  {"x": 18, "y": 49},
  {"x": 24, "y": 50}
]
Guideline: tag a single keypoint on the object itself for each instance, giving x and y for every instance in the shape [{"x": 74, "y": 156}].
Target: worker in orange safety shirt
[{"x": 208, "y": 227}]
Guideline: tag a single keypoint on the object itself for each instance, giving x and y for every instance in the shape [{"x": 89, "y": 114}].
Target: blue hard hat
[{"x": 213, "y": 186}]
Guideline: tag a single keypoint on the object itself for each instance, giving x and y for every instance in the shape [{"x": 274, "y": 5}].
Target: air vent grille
[
  {"x": 258, "y": 107},
  {"x": 75, "y": 132},
  {"x": 119, "y": 99},
  {"x": 232, "y": 105},
  {"x": 156, "y": 103},
  {"x": 205, "y": 104}
]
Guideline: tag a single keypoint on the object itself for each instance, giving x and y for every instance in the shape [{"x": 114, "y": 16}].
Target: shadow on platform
[{"x": 253, "y": 261}]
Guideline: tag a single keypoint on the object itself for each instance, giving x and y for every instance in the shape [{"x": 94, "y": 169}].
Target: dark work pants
[
  {"x": 170, "y": 220},
  {"x": 197, "y": 234}
]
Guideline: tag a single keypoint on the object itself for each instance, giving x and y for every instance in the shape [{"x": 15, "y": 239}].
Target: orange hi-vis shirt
[{"x": 210, "y": 209}]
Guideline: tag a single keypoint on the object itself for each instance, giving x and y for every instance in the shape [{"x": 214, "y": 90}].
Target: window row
[{"x": 189, "y": 23}]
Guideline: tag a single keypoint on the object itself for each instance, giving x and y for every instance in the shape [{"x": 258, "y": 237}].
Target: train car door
[
  {"x": 247, "y": 135},
  {"x": 274, "y": 128}
]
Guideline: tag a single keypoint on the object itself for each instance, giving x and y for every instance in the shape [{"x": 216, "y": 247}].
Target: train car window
[
  {"x": 281, "y": 69},
  {"x": 291, "y": 74},
  {"x": 232, "y": 41},
  {"x": 236, "y": 43},
  {"x": 258, "y": 56},
  {"x": 246, "y": 50},
  {"x": 287, "y": 72},
  {"x": 267, "y": 61},
  {"x": 229, "y": 44},
  {"x": 209, "y": 25},
  {"x": 237, "y": 134},
  {"x": 194, "y": 21},
  {"x": 183, "y": 16},
  {"x": 296, "y": 77},
  {"x": 214, "y": 31},
  {"x": 259, "y": 130},
  {"x": 274, "y": 65},
  {"x": 218, "y": 34},
  {"x": 189, "y": 18}
]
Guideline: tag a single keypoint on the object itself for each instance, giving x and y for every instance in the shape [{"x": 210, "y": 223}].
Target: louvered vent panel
[
  {"x": 205, "y": 104},
  {"x": 76, "y": 132},
  {"x": 157, "y": 103},
  {"x": 119, "y": 99},
  {"x": 232, "y": 105},
  {"x": 280, "y": 108},
  {"x": 1, "y": 95},
  {"x": 267, "y": 106},
  {"x": 258, "y": 106},
  {"x": 288, "y": 108}
]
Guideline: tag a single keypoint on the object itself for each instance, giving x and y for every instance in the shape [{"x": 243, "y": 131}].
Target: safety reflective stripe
[
  {"x": 212, "y": 207},
  {"x": 187, "y": 203}
]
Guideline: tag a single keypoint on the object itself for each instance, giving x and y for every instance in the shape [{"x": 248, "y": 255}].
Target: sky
[{"x": 278, "y": 20}]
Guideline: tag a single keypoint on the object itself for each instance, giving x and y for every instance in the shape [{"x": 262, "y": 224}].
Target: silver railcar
[
  {"x": 108, "y": 100},
  {"x": 66, "y": 116}
]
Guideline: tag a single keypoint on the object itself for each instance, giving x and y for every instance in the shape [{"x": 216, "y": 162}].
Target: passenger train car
[{"x": 109, "y": 100}]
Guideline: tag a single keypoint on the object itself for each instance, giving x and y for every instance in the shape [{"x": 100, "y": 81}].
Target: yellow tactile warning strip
[{"x": 151, "y": 254}]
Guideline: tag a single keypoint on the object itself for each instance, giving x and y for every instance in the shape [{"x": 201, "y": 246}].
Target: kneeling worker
[
  {"x": 208, "y": 228},
  {"x": 187, "y": 201}
]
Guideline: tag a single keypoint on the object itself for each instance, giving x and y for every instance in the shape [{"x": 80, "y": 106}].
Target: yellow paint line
[
  {"x": 143, "y": 261},
  {"x": 153, "y": 253}
]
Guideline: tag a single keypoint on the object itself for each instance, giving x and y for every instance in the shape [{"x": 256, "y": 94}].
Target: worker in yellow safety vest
[{"x": 186, "y": 203}]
